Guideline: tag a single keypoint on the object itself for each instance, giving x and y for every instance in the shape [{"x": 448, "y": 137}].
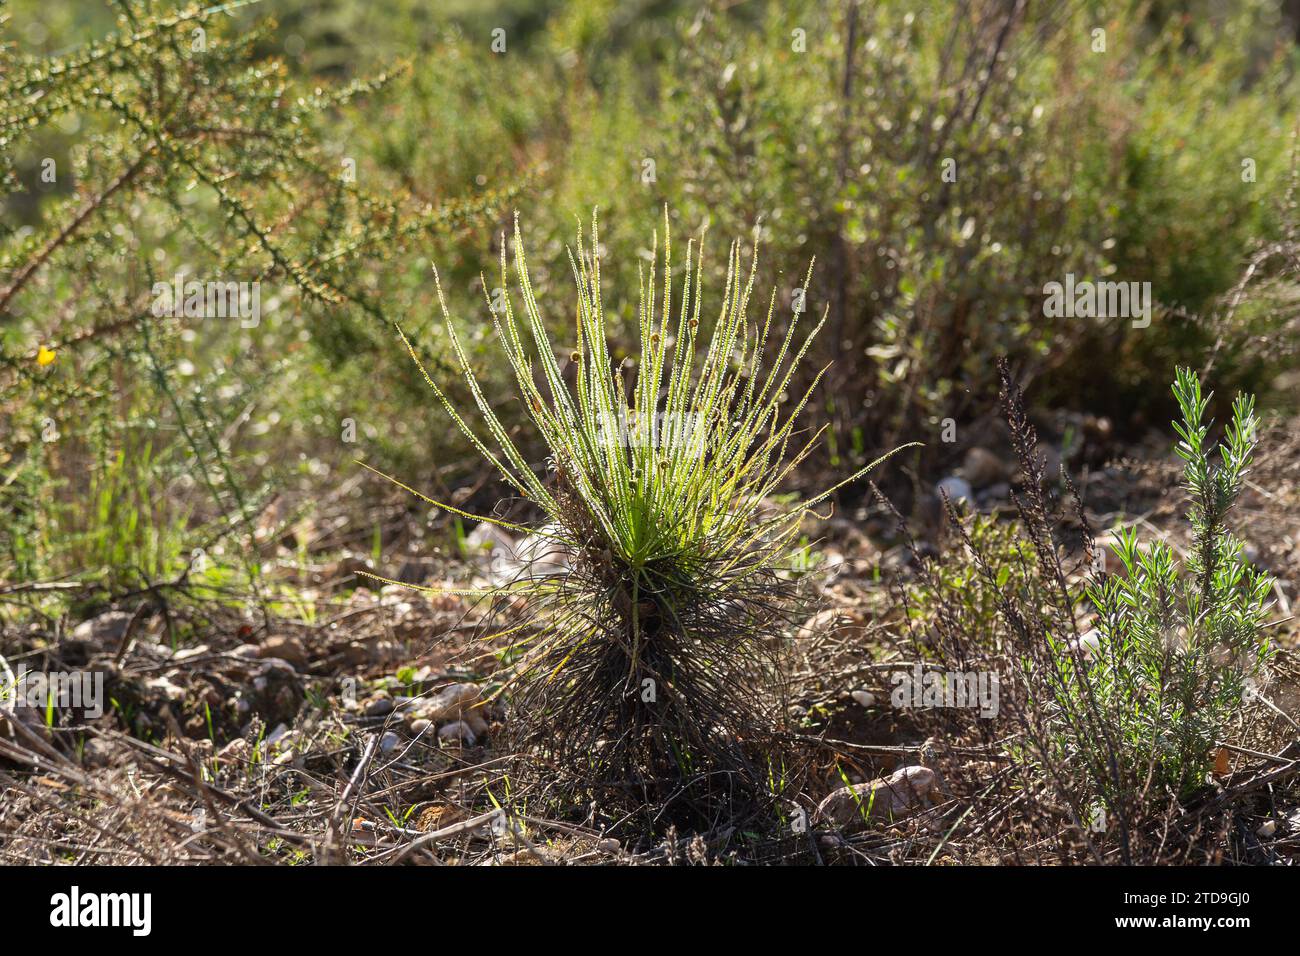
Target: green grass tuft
[{"x": 654, "y": 662}]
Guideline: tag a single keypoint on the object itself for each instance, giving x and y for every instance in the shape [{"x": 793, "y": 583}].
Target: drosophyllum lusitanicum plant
[{"x": 649, "y": 668}]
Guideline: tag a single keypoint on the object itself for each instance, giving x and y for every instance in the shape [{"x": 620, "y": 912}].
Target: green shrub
[
  {"x": 1176, "y": 642},
  {"x": 178, "y": 145},
  {"x": 1117, "y": 165}
]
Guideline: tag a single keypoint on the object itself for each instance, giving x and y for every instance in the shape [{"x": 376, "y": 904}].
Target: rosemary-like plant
[{"x": 1179, "y": 648}]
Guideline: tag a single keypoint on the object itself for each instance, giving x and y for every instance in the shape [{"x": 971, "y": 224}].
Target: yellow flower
[{"x": 44, "y": 356}]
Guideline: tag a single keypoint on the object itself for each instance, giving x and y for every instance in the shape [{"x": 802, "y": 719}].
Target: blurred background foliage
[{"x": 128, "y": 441}]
